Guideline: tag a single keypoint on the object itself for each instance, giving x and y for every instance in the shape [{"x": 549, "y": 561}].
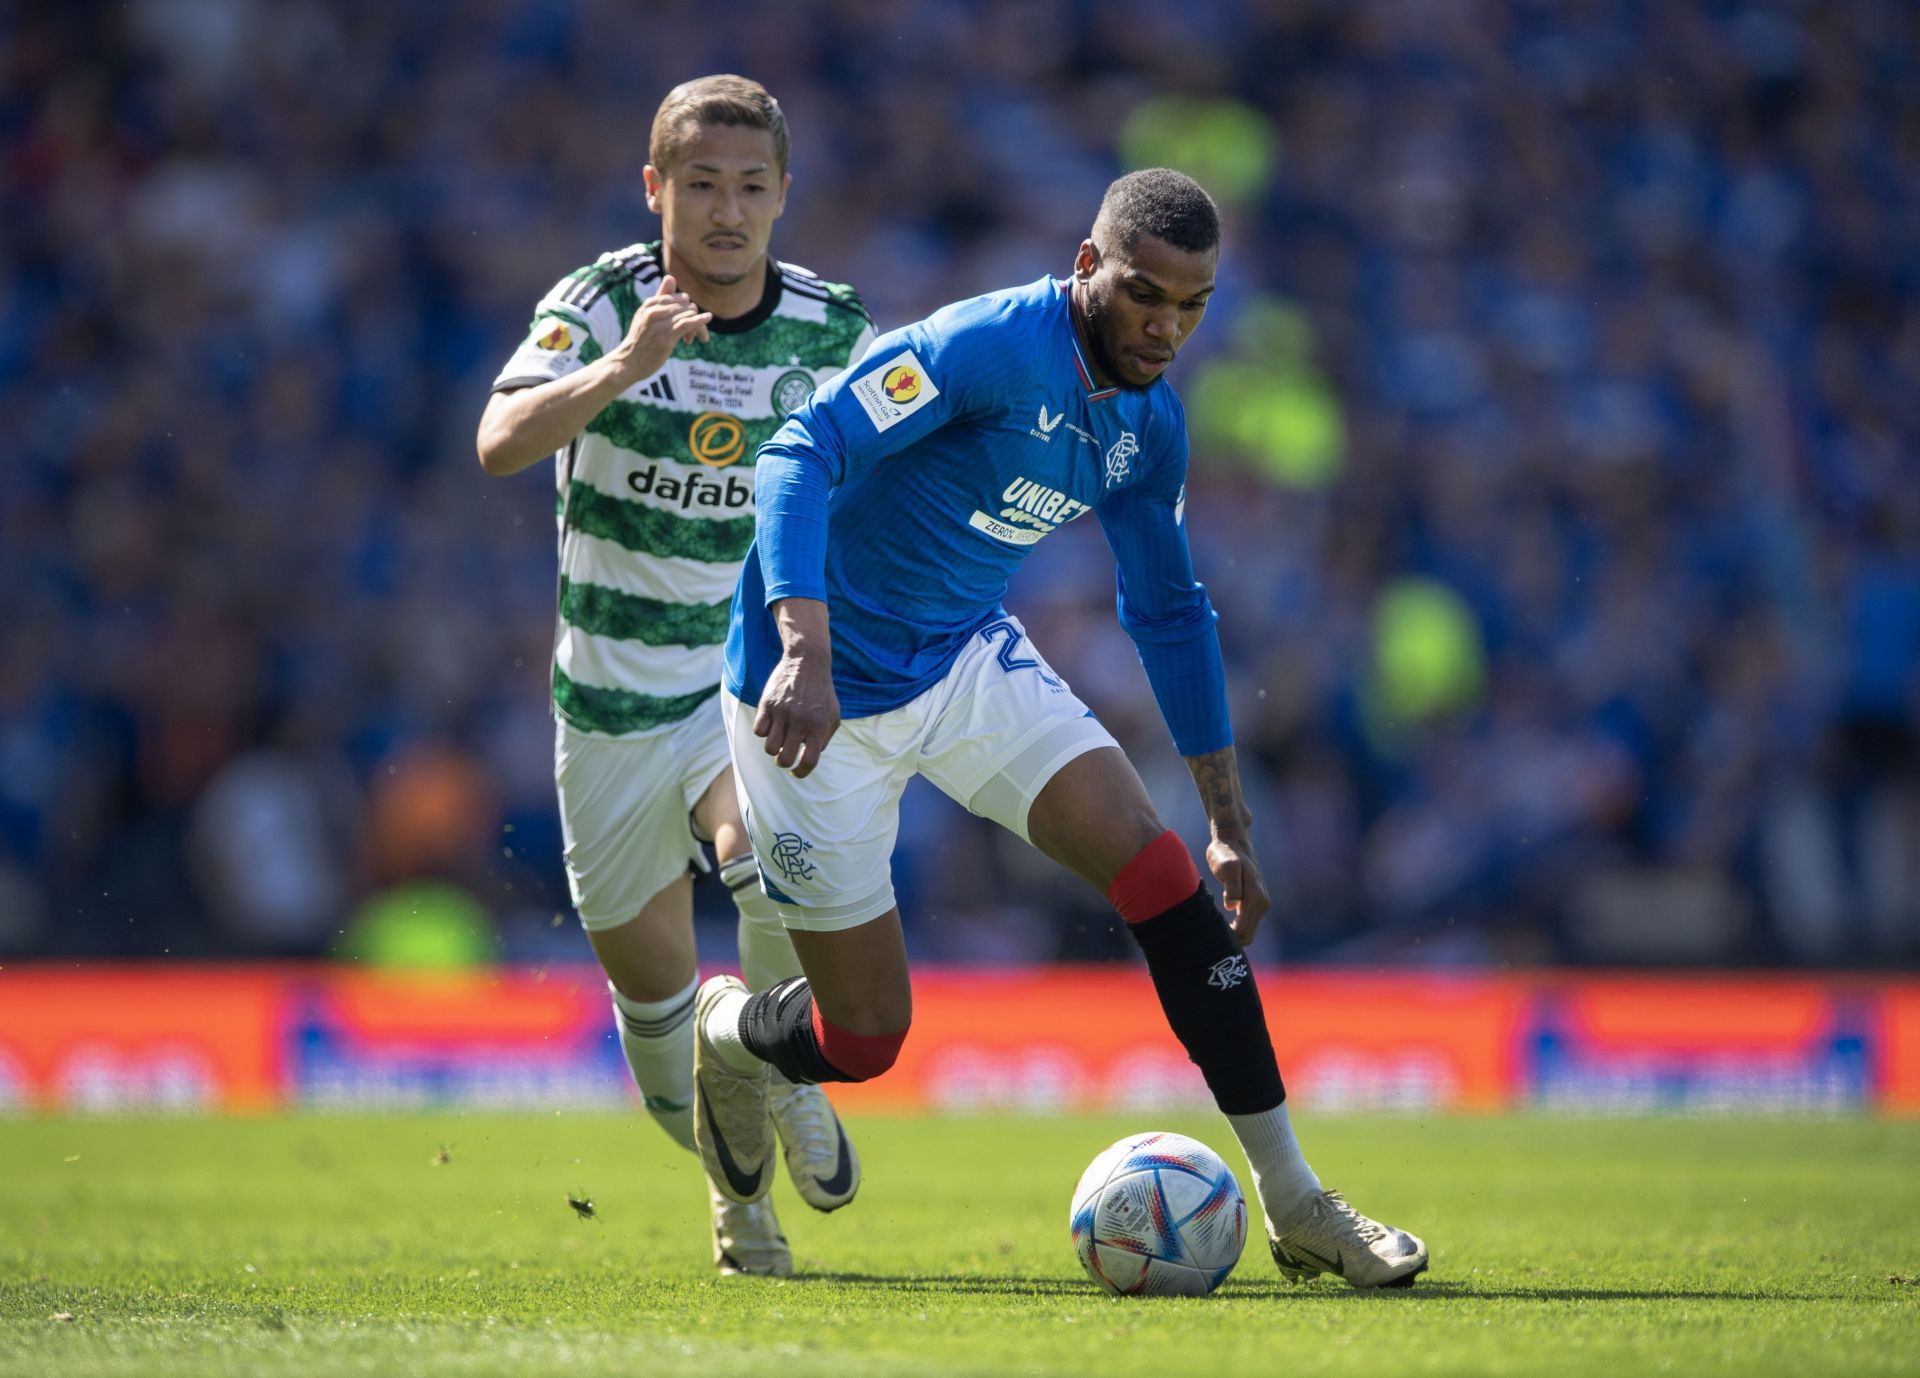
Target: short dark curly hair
[{"x": 1159, "y": 201}]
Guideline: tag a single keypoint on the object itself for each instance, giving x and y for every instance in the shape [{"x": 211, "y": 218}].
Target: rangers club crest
[
  {"x": 1227, "y": 973},
  {"x": 1120, "y": 458},
  {"x": 789, "y": 856}
]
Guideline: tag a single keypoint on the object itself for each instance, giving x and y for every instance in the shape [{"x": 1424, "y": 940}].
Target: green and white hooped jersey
[{"x": 656, "y": 494}]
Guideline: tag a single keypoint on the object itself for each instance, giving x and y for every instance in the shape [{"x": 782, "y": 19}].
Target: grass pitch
[{"x": 315, "y": 1246}]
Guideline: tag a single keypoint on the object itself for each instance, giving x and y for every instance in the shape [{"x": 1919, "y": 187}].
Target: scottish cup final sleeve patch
[
  {"x": 894, "y": 391},
  {"x": 553, "y": 348}
]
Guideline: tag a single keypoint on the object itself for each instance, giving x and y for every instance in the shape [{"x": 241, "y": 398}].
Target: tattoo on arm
[{"x": 1217, "y": 776}]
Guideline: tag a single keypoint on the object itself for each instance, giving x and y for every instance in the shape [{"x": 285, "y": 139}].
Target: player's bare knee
[
  {"x": 1129, "y": 837},
  {"x": 647, "y": 986},
  {"x": 1094, "y": 816},
  {"x": 641, "y": 969},
  {"x": 875, "y": 1014}
]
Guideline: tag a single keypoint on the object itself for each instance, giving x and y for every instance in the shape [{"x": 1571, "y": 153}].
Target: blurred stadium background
[{"x": 1554, "y": 475}]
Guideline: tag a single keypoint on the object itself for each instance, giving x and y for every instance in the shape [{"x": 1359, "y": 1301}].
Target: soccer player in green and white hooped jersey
[{"x": 652, "y": 377}]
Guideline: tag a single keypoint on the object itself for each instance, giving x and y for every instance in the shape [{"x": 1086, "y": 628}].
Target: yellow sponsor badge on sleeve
[{"x": 894, "y": 391}]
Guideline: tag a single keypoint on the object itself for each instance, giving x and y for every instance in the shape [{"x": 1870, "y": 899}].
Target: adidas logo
[{"x": 660, "y": 389}]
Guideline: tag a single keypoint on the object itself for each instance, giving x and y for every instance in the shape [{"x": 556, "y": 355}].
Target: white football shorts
[
  {"x": 989, "y": 736},
  {"x": 626, "y": 811}
]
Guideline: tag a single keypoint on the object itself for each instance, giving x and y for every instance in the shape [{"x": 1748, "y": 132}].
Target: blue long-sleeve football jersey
[{"x": 907, "y": 490}]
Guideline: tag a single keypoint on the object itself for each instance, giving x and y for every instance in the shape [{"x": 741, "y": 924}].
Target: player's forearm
[
  {"x": 802, "y": 623},
  {"x": 522, "y": 427},
  {"x": 1216, "y": 774}
]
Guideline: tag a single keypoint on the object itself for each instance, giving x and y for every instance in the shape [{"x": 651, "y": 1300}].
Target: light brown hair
[{"x": 723, "y": 99}]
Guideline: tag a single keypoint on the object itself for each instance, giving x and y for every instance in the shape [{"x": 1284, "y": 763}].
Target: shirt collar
[{"x": 1093, "y": 392}]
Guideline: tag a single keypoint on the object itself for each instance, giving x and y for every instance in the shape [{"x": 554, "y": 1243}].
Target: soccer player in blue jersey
[{"x": 868, "y": 642}]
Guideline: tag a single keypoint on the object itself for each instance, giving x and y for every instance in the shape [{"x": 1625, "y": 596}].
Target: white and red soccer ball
[{"x": 1158, "y": 1215}]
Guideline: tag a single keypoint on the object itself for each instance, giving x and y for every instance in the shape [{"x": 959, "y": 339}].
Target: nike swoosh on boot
[
  {"x": 1296, "y": 1254},
  {"x": 842, "y": 1178},
  {"x": 747, "y": 1184}
]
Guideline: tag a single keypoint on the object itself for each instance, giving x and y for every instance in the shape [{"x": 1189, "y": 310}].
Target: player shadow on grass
[
  {"x": 976, "y": 1284},
  {"x": 989, "y": 1286},
  {"x": 1437, "y": 1290},
  {"x": 1249, "y": 1289}
]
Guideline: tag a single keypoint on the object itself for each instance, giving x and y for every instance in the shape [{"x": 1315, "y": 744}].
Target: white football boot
[
  {"x": 1326, "y": 1235},
  {"x": 820, "y": 1158},
  {"x": 747, "y": 1239},
  {"x": 732, "y": 1126}
]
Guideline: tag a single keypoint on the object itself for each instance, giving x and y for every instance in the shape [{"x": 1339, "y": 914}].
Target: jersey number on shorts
[{"x": 1008, "y": 636}]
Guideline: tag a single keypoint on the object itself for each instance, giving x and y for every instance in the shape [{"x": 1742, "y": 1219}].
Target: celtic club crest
[{"x": 791, "y": 391}]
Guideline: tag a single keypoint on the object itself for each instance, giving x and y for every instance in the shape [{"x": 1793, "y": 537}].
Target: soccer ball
[{"x": 1158, "y": 1215}]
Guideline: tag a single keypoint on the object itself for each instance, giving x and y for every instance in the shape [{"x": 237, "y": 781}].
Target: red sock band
[
  {"x": 860, "y": 1056},
  {"x": 1154, "y": 881}
]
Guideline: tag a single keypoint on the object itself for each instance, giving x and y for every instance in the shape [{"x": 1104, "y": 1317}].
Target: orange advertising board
[
  {"x": 1899, "y": 1047},
  {"x": 1035, "y": 1039},
  {"x": 1093, "y": 1037},
  {"x": 83, "y": 1038}
]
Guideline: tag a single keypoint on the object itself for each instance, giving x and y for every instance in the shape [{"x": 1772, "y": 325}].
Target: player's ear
[
  {"x": 1087, "y": 262},
  {"x": 651, "y": 176},
  {"x": 786, "y": 184}
]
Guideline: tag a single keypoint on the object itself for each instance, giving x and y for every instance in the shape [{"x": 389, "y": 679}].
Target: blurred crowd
[{"x": 1554, "y": 470}]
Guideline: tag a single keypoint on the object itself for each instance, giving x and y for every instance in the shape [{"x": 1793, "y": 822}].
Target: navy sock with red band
[
  {"x": 783, "y": 1026},
  {"x": 1201, "y": 975}
]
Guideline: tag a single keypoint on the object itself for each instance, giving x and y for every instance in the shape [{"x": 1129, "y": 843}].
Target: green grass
[{"x": 316, "y": 1246}]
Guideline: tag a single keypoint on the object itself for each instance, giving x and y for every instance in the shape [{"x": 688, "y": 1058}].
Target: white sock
[
  {"x": 1281, "y": 1178},
  {"x": 723, "y": 1031},
  {"x": 657, "y": 1037},
  {"x": 766, "y": 952}
]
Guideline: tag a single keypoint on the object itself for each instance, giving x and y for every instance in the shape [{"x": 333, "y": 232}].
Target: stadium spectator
[{"x": 1602, "y": 318}]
